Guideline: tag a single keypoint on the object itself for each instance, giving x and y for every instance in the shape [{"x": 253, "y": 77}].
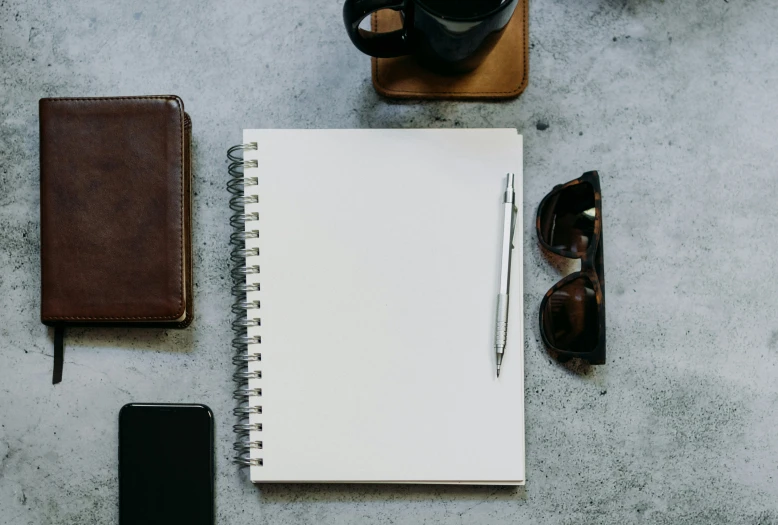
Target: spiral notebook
[{"x": 366, "y": 270}]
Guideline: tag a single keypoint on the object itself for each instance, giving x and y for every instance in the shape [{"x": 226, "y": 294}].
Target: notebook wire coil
[{"x": 242, "y": 306}]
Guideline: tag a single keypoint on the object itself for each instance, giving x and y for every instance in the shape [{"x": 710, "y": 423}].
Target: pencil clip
[
  {"x": 510, "y": 197},
  {"x": 513, "y": 223}
]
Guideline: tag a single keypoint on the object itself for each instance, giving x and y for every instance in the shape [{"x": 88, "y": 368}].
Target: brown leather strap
[{"x": 59, "y": 353}]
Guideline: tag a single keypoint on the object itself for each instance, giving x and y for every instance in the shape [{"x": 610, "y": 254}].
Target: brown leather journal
[{"x": 115, "y": 214}]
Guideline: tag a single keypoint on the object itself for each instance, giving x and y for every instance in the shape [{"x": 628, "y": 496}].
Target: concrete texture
[{"x": 675, "y": 103}]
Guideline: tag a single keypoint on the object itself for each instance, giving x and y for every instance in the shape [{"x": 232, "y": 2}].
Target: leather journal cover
[
  {"x": 503, "y": 74},
  {"x": 115, "y": 208}
]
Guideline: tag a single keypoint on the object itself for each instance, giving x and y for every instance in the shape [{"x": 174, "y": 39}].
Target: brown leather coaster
[{"x": 502, "y": 75}]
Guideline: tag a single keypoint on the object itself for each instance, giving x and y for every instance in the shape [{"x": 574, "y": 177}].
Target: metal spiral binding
[{"x": 238, "y": 254}]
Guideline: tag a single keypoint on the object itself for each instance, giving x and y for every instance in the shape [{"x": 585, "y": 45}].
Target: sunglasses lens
[
  {"x": 567, "y": 218},
  {"x": 570, "y": 317}
]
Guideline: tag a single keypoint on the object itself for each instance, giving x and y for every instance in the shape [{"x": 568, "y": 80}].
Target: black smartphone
[{"x": 166, "y": 464}]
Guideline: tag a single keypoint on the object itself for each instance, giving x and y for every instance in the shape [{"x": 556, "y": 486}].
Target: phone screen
[{"x": 165, "y": 464}]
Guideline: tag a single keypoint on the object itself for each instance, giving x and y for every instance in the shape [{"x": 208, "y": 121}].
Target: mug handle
[{"x": 380, "y": 45}]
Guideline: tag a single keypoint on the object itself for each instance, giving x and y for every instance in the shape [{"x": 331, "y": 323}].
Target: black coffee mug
[{"x": 448, "y": 36}]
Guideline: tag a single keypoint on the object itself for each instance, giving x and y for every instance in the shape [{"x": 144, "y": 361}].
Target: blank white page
[{"x": 379, "y": 254}]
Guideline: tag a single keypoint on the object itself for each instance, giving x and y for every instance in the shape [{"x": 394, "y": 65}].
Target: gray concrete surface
[{"x": 675, "y": 102}]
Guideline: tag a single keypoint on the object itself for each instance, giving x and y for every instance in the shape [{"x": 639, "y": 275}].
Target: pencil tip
[{"x": 498, "y": 372}]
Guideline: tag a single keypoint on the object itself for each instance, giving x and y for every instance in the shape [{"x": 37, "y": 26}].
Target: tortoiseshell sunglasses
[{"x": 572, "y": 314}]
